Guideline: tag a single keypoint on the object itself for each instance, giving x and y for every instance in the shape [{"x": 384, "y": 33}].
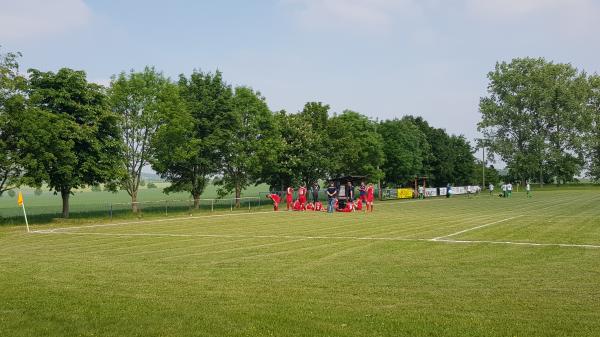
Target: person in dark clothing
[
  {"x": 315, "y": 191},
  {"x": 349, "y": 191},
  {"x": 331, "y": 197}
]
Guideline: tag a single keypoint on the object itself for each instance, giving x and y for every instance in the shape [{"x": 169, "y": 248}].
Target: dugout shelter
[{"x": 341, "y": 182}]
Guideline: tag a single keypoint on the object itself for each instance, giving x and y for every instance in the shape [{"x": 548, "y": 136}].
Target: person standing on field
[
  {"x": 331, "y": 197},
  {"x": 289, "y": 197},
  {"x": 504, "y": 190},
  {"x": 315, "y": 191},
  {"x": 528, "y": 188},
  {"x": 370, "y": 197},
  {"x": 302, "y": 194},
  {"x": 491, "y": 188},
  {"x": 349, "y": 191},
  {"x": 509, "y": 189},
  {"x": 362, "y": 192}
]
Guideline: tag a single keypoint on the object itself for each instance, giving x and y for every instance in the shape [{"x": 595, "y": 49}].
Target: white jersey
[
  {"x": 491, "y": 187},
  {"x": 528, "y": 187},
  {"x": 509, "y": 187},
  {"x": 504, "y": 188}
]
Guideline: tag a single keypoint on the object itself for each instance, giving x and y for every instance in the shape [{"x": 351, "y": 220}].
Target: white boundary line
[
  {"x": 54, "y": 230},
  {"x": 474, "y": 228},
  {"x": 535, "y": 244},
  {"x": 301, "y": 237},
  {"x": 195, "y": 218}
]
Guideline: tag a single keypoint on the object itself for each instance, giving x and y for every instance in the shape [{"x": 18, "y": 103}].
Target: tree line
[
  {"x": 543, "y": 120},
  {"x": 59, "y": 130}
]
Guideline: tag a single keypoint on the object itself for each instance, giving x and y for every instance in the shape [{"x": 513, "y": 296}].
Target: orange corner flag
[{"x": 20, "y": 199}]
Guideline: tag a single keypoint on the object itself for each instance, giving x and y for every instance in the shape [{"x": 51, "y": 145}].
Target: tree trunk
[
  {"x": 541, "y": 177},
  {"x": 238, "y": 192},
  {"x": 134, "y": 203},
  {"x": 196, "y": 197},
  {"x": 65, "y": 193}
]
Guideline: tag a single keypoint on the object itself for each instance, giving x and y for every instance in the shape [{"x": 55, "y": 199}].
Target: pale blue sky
[{"x": 383, "y": 58}]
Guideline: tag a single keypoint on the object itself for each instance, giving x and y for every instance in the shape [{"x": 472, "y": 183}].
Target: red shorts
[
  {"x": 289, "y": 199},
  {"x": 302, "y": 199},
  {"x": 370, "y": 198}
]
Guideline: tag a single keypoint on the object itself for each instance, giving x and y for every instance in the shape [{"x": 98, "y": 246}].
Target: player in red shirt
[
  {"x": 359, "y": 205},
  {"x": 302, "y": 194},
  {"x": 289, "y": 197},
  {"x": 276, "y": 199},
  {"x": 298, "y": 206},
  {"x": 349, "y": 207},
  {"x": 370, "y": 197},
  {"x": 310, "y": 206},
  {"x": 318, "y": 206}
]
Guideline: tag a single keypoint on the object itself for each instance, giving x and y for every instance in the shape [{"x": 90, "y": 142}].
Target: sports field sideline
[{"x": 442, "y": 267}]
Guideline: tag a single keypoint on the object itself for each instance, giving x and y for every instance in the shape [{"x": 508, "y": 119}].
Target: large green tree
[
  {"x": 450, "y": 159},
  {"x": 142, "y": 100},
  {"x": 73, "y": 136},
  {"x": 12, "y": 107},
  {"x": 593, "y": 134},
  {"x": 533, "y": 118},
  {"x": 405, "y": 148},
  {"x": 356, "y": 148},
  {"x": 299, "y": 156},
  {"x": 249, "y": 142},
  {"x": 187, "y": 149}
]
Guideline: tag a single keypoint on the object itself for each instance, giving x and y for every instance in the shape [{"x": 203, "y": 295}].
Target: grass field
[
  {"x": 442, "y": 267},
  {"x": 86, "y": 203}
]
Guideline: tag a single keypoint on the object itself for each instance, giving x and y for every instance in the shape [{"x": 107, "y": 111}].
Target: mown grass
[{"x": 314, "y": 274}]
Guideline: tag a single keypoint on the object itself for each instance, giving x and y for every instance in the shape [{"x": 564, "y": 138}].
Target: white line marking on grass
[
  {"x": 236, "y": 236},
  {"x": 359, "y": 238},
  {"x": 474, "y": 228},
  {"x": 518, "y": 243},
  {"x": 54, "y": 230},
  {"x": 195, "y": 217}
]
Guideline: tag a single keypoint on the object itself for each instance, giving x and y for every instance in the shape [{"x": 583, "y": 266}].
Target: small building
[{"x": 341, "y": 182}]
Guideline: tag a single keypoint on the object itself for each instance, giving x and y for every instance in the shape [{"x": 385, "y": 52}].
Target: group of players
[{"x": 350, "y": 204}]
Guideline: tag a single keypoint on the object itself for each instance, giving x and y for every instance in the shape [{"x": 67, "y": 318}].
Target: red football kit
[
  {"x": 302, "y": 195},
  {"x": 370, "y": 191},
  {"x": 276, "y": 199},
  {"x": 289, "y": 197}
]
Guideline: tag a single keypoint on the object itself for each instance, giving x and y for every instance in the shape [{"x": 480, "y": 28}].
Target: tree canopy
[{"x": 73, "y": 134}]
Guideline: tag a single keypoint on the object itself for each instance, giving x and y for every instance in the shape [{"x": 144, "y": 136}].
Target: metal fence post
[
  {"x": 166, "y": 207},
  {"x": 111, "y": 211},
  {"x": 212, "y": 205},
  {"x": 231, "y": 205}
]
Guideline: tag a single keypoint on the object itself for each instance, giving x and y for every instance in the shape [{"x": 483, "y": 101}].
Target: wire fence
[{"x": 112, "y": 210}]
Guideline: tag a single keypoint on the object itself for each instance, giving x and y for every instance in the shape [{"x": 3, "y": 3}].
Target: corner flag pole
[{"x": 22, "y": 204}]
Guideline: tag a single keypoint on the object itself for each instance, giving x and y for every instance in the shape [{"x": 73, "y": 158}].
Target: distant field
[
  {"x": 87, "y": 200},
  {"x": 482, "y": 266}
]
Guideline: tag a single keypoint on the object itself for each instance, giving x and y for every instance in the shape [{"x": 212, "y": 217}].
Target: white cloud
[
  {"x": 25, "y": 19},
  {"x": 352, "y": 14},
  {"x": 571, "y": 18},
  {"x": 503, "y": 8}
]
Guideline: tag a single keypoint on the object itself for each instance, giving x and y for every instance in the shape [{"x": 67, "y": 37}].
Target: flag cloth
[{"x": 20, "y": 199}]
